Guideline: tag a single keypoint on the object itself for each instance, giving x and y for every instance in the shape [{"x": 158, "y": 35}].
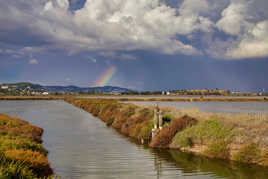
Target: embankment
[
  {"x": 12, "y": 98},
  {"x": 233, "y": 137},
  {"x": 145, "y": 98},
  {"x": 196, "y": 99},
  {"x": 21, "y": 152}
]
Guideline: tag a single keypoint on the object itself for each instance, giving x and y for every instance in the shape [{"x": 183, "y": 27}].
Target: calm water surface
[
  {"x": 81, "y": 146},
  {"x": 215, "y": 106}
]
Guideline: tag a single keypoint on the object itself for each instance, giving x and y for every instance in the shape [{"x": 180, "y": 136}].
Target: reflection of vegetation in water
[
  {"x": 192, "y": 165},
  {"x": 189, "y": 163}
]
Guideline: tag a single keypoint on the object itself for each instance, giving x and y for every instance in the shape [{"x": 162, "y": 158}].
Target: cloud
[
  {"x": 114, "y": 55},
  {"x": 33, "y": 61},
  {"x": 68, "y": 79},
  {"x": 102, "y": 25},
  {"x": 233, "y": 19},
  {"x": 94, "y": 60},
  {"x": 127, "y": 57},
  {"x": 254, "y": 44},
  {"x": 120, "y": 25},
  {"x": 246, "y": 22},
  {"x": 108, "y": 54}
]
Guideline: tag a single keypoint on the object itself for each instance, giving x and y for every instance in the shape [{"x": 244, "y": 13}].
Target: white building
[
  {"x": 45, "y": 93},
  {"x": 4, "y": 87},
  {"x": 165, "y": 93}
]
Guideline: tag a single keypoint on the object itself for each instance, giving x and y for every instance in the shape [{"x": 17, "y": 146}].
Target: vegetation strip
[
  {"x": 144, "y": 98},
  {"x": 21, "y": 152},
  {"x": 242, "y": 138}
]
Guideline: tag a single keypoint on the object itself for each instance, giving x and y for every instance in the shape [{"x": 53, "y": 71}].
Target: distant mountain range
[
  {"x": 75, "y": 89},
  {"x": 66, "y": 89}
]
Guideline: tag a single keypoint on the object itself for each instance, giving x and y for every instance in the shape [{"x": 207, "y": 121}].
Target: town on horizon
[{"x": 30, "y": 89}]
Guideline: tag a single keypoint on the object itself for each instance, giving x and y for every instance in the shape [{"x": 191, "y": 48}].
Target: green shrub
[
  {"x": 14, "y": 169},
  {"x": 21, "y": 152},
  {"x": 185, "y": 142},
  {"x": 207, "y": 131},
  {"x": 165, "y": 136},
  {"x": 146, "y": 131},
  {"x": 35, "y": 160},
  {"x": 248, "y": 154},
  {"x": 166, "y": 119},
  {"x": 9, "y": 142},
  {"x": 218, "y": 149}
]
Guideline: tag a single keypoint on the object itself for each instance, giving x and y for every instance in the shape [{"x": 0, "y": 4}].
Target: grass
[
  {"x": 21, "y": 152},
  {"x": 207, "y": 131},
  {"x": 249, "y": 153},
  {"x": 218, "y": 149}
]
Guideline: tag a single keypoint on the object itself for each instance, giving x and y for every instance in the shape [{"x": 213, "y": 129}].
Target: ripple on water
[{"x": 81, "y": 146}]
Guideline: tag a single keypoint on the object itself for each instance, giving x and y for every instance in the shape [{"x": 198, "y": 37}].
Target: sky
[{"x": 138, "y": 44}]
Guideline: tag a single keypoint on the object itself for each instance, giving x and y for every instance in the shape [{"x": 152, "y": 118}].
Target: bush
[
  {"x": 9, "y": 142},
  {"x": 35, "y": 160},
  {"x": 248, "y": 154},
  {"x": 166, "y": 119},
  {"x": 165, "y": 136},
  {"x": 145, "y": 132},
  {"x": 207, "y": 131},
  {"x": 185, "y": 142},
  {"x": 15, "y": 169},
  {"x": 218, "y": 149},
  {"x": 21, "y": 152}
]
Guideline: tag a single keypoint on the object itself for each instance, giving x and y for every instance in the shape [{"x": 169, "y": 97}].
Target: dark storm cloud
[{"x": 153, "y": 44}]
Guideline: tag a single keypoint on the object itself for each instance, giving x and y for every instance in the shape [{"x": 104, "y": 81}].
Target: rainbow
[{"x": 105, "y": 78}]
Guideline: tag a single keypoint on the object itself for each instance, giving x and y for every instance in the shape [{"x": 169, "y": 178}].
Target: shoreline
[
  {"x": 147, "y": 98},
  {"x": 229, "y": 137}
]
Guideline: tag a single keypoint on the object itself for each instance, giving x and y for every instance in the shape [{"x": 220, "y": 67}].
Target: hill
[{"x": 30, "y": 88}]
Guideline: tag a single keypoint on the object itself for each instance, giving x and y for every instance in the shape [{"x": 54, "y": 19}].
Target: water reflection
[{"x": 190, "y": 165}]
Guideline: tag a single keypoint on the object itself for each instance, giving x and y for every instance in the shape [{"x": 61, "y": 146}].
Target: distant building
[
  {"x": 4, "y": 87},
  {"x": 45, "y": 93},
  {"x": 115, "y": 93},
  {"x": 165, "y": 93}
]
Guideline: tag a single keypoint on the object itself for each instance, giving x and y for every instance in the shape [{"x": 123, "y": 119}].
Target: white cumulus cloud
[
  {"x": 123, "y": 25},
  {"x": 33, "y": 61}
]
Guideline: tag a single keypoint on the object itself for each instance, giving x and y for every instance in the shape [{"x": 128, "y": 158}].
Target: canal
[{"x": 81, "y": 146}]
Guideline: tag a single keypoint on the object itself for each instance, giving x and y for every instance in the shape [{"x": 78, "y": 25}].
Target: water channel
[
  {"x": 215, "y": 106},
  {"x": 81, "y": 146}
]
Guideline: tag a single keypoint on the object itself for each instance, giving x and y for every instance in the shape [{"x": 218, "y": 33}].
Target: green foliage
[
  {"x": 248, "y": 154},
  {"x": 13, "y": 169},
  {"x": 166, "y": 135},
  {"x": 21, "y": 150},
  {"x": 145, "y": 132},
  {"x": 204, "y": 132},
  {"x": 15, "y": 142},
  {"x": 218, "y": 149},
  {"x": 185, "y": 142},
  {"x": 167, "y": 119}
]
